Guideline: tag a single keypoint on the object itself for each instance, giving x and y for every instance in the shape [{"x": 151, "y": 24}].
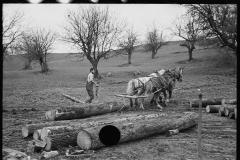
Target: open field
[{"x": 29, "y": 89}]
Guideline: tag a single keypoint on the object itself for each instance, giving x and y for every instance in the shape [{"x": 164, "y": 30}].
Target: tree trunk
[
  {"x": 45, "y": 67},
  {"x": 190, "y": 58},
  {"x": 28, "y": 130},
  {"x": 212, "y": 108},
  {"x": 129, "y": 58},
  {"x": 61, "y": 140},
  {"x": 94, "y": 65},
  {"x": 205, "y": 102},
  {"x": 49, "y": 131},
  {"x": 68, "y": 113},
  {"x": 90, "y": 138},
  {"x": 153, "y": 54},
  {"x": 228, "y": 109}
]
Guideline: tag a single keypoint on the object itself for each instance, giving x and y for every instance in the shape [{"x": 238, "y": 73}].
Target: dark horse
[
  {"x": 163, "y": 83},
  {"x": 176, "y": 74}
]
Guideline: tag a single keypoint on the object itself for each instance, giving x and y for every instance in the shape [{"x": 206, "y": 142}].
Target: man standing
[{"x": 89, "y": 85}]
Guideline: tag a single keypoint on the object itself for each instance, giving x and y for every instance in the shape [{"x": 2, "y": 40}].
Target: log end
[
  {"x": 48, "y": 143},
  {"x": 36, "y": 134},
  {"x": 25, "y": 131},
  {"x": 84, "y": 140},
  {"x": 208, "y": 109},
  {"x": 50, "y": 115}
]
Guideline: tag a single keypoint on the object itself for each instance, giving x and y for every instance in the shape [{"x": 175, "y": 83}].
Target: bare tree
[
  {"x": 37, "y": 45},
  {"x": 220, "y": 20},
  {"x": 188, "y": 29},
  {"x": 12, "y": 29},
  {"x": 154, "y": 40},
  {"x": 94, "y": 31},
  {"x": 128, "y": 43}
]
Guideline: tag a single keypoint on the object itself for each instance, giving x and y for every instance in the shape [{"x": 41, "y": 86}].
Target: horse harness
[
  {"x": 173, "y": 79},
  {"x": 143, "y": 85}
]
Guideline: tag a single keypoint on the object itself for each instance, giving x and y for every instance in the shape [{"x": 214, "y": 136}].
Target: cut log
[
  {"x": 215, "y": 101},
  {"x": 49, "y": 131},
  {"x": 229, "y": 101},
  {"x": 235, "y": 112},
  {"x": 221, "y": 111},
  {"x": 68, "y": 113},
  {"x": 61, "y": 140},
  {"x": 228, "y": 109},
  {"x": 212, "y": 108},
  {"x": 172, "y": 132},
  {"x": 231, "y": 115},
  {"x": 28, "y": 129},
  {"x": 73, "y": 98},
  {"x": 90, "y": 138},
  {"x": 47, "y": 155},
  {"x": 37, "y": 134}
]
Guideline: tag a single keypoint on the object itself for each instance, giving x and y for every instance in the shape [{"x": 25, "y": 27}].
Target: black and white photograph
[{"x": 119, "y": 81}]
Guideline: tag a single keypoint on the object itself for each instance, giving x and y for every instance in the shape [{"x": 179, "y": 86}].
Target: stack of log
[
  {"x": 227, "y": 108},
  {"x": 57, "y": 134}
]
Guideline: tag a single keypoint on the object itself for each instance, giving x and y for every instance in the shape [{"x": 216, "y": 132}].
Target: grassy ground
[{"x": 31, "y": 90}]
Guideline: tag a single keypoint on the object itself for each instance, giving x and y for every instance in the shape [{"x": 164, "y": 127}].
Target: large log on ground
[
  {"x": 229, "y": 101},
  {"x": 68, "y": 113},
  {"x": 214, "y": 101},
  {"x": 28, "y": 129},
  {"x": 61, "y": 140},
  {"x": 228, "y": 109},
  {"x": 235, "y": 112},
  {"x": 49, "y": 131},
  {"x": 90, "y": 138},
  {"x": 212, "y": 108}
]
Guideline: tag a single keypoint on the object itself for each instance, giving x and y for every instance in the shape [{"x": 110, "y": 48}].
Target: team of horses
[{"x": 162, "y": 81}]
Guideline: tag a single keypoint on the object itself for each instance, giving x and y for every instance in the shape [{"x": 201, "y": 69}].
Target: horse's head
[{"x": 179, "y": 73}]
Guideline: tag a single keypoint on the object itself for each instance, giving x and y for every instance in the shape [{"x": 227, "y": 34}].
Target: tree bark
[
  {"x": 53, "y": 130},
  {"x": 190, "y": 58},
  {"x": 83, "y": 112},
  {"x": 228, "y": 109},
  {"x": 153, "y": 54},
  {"x": 61, "y": 140},
  {"x": 129, "y": 58},
  {"x": 89, "y": 138},
  {"x": 212, "y": 108},
  {"x": 205, "y": 102},
  {"x": 28, "y": 129}
]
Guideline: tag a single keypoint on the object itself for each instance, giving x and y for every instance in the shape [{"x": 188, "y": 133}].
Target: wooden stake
[
  {"x": 200, "y": 128},
  {"x": 73, "y": 98}
]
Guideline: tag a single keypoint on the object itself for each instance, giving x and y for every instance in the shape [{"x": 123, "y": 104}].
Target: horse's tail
[{"x": 130, "y": 87}]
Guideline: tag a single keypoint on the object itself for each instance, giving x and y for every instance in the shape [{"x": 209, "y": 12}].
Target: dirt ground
[{"x": 28, "y": 95}]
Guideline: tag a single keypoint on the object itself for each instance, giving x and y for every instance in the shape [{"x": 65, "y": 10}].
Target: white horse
[
  {"x": 136, "y": 87},
  {"x": 157, "y": 73}
]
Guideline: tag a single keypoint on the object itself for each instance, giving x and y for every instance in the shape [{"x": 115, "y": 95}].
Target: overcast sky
[{"x": 141, "y": 16}]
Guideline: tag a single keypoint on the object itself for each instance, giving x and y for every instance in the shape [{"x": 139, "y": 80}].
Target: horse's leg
[
  {"x": 156, "y": 95},
  {"x": 165, "y": 96},
  {"x": 136, "y": 102},
  {"x": 152, "y": 101},
  {"x": 160, "y": 97},
  {"x": 131, "y": 103}
]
